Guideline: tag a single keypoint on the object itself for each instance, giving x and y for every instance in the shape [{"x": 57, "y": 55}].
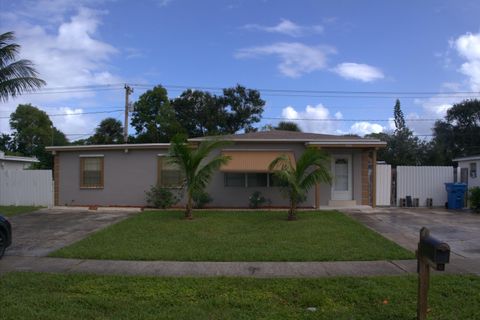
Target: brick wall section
[
  {"x": 365, "y": 180},
  {"x": 56, "y": 178}
]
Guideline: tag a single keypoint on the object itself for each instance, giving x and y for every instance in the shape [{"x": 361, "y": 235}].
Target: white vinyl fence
[
  {"x": 423, "y": 182},
  {"x": 384, "y": 184},
  {"x": 26, "y": 187}
]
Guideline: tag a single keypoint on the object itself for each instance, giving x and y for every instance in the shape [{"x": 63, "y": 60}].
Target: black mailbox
[{"x": 435, "y": 251}]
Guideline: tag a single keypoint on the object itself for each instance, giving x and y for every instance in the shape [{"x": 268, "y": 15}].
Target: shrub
[
  {"x": 159, "y": 197},
  {"x": 475, "y": 199},
  {"x": 201, "y": 199},
  {"x": 256, "y": 200}
]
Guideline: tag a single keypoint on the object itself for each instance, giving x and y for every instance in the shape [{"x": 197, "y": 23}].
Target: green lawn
[
  {"x": 48, "y": 296},
  {"x": 236, "y": 236},
  {"x": 9, "y": 211}
]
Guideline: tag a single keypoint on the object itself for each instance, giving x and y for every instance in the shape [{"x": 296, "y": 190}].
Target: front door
[{"x": 342, "y": 177}]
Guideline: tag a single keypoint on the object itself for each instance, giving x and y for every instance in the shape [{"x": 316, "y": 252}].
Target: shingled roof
[{"x": 280, "y": 135}]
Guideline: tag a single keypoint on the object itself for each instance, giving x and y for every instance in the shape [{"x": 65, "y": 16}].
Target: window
[
  {"x": 257, "y": 179},
  {"x": 169, "y": 174},
  {"x": 91, "y": 172},
  {"x": 234, "y": 179},
  {"x": 473, "y": 170},
  {"x": 273, "y": 181},
  {"x": 251, "y": 180}
]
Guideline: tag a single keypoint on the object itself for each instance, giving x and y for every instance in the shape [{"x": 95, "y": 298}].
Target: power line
[
  {"x": 347, "y": 120},
  {"x": 74, "y": 91},
  {"x": 76, "y": 113},
  {"x": 315, "y": 91},
  {"x": 272, "y": 92}
]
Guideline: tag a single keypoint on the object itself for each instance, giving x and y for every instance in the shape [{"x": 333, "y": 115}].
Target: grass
[
  {"x": 236, "y": 236},
  {"x": 10, "y": 211},
  {"x": 49, "y": 296}
]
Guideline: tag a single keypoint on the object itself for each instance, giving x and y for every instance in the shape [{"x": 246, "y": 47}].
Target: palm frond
[
  {"x": 281, "y": 163},
  {"x": 17, "y": 76},
  {"x": 204, "y": 173}
]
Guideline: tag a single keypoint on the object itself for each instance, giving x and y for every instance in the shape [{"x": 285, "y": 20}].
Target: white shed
[
  {"x": 469, "y": 170},
  {"x": 15, "y": 162}
]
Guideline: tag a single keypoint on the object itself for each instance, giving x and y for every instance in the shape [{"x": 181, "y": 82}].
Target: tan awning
[{"x": 253, "y": 160}]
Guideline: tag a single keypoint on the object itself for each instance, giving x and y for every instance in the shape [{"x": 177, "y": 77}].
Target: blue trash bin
[{"x": 456, "y": 194}]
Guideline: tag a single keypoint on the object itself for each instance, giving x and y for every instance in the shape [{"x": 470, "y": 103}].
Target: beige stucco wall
[{"x": 128, "y": 175}]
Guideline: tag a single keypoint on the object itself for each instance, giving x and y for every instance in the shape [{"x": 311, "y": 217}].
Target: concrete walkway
[{"x": 240, "y": 269}]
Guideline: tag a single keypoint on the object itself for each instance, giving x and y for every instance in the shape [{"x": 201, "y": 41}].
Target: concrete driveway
[
  {"x": 39, "y": 233},
  {"x": 460, "y": 229}
]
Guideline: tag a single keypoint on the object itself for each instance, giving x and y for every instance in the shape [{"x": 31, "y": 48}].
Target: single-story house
[
  {"x": 469, "y": 170},
  {"x": 119, "y": 175},
  {"x": 15, "y": 162}
]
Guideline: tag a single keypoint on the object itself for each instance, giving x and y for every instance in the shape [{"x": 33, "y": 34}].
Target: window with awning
[{"x": 253, "y": 160}]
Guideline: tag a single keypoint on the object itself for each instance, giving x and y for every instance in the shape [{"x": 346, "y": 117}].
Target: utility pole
[{"x": 128, "y": 92}]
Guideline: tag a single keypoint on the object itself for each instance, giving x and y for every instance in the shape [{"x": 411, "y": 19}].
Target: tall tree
[
  {"x": 200, "y": 113},
  {"x": 18, "y": 76},
  {"x": 32, "y": 132},
  {"x": 459, "y": 134},
  {"x": 154, "y": 118},
  {"x": 109, "y": 131},
  {"x": 195, "y": 166},
  {"x": 244, "y": 107},
  {"x": 310, "y": 169},
  {"x": 288, "y": 126},
  {"x": 399, "y": 119},
  {"x": 403, "y": 148}
]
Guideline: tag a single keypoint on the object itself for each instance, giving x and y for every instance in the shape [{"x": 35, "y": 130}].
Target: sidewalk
[{"x": 228, "y": 269}]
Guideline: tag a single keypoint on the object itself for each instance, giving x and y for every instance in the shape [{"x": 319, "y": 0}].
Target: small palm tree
[
  {"x": 15, "y": 76},
  {"x": 309, "y": 170},
  {"x": 196, "y": 168}
]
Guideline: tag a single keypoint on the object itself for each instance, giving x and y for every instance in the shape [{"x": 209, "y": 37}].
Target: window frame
[
  {"x": 473, "y": 170},
  {"x": 245, "y": 180},
  {"x": 160, "y": 159},
  {"x": 225, "y": 179},
  {"x": 101, "y": 184},
  {"x": 251, "y": 173}
]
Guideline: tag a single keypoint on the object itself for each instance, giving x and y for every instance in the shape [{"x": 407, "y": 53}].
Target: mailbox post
[{"x": 430, "y": 253}]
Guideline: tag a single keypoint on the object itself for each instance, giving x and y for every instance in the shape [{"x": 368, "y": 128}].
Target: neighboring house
[
  {"x": 15, "y": 162},
  {"x": 469, "y": 170},
  {"x": 119, "y": 175}
]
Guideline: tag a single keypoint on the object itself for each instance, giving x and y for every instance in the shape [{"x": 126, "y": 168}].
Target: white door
[{"x": 342, "y": 177}]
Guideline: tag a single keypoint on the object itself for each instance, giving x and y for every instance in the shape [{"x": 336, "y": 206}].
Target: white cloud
[
  {"x": 306, "y": 119},
  {"x": 319, "y": 119},
  {"x": 358, "y": 71},
  {"x": 67, "y": 52},
  {"x": 287, "y": 27},
  {"x": 468, "y": 47},
  {"x": 363, "y": 128},
  {"x": 296, "y": 59}
]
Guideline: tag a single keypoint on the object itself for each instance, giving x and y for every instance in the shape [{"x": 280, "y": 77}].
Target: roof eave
[
  {"x": 109, "y": 147},
  {"x": 19, "y": 160}
]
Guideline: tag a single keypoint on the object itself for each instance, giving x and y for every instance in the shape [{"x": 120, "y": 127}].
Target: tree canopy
[
  {"x": 32, "y": 132},
  {"x": 288, "y": 126},
  {"x": 195, "y": 113},
  {"x": 154, "y": 118},
  {"x": 458, "y": 134},
  {"x": 109, "y": 131}
]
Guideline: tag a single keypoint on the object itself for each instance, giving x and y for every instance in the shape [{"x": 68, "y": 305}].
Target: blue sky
[{"x": 431, "y": 48}]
